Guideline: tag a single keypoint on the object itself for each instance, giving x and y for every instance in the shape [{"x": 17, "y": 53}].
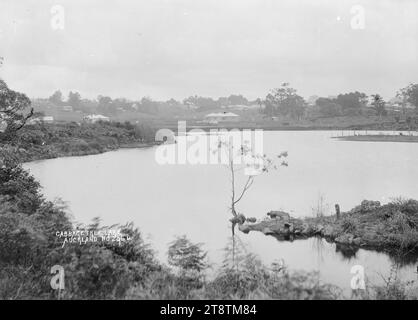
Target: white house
[
  {"x": 46, "y": 119},
  {"x": 67, "y": 108},
  {"x": 93, "y": 118},
  {"x": 221, "y": 117}
]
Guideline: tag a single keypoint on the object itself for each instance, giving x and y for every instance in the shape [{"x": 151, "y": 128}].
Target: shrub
[
  {"x": 186, "y": 256},
  {"x": 348, "y": 224}
]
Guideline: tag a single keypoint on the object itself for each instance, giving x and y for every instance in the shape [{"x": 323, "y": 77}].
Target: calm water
[{"x": 168, "y": 200}]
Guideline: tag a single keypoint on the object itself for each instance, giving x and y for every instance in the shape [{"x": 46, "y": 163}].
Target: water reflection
[
  {"x": 347, "y": 252},
  {"x": 128, "y": 185}
]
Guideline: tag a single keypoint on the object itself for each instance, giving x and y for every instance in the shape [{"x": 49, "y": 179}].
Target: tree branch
[{"x": 248, "y": 184}]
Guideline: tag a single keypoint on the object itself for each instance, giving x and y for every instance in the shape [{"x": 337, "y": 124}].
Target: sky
[{"x": 176, "y": 48}]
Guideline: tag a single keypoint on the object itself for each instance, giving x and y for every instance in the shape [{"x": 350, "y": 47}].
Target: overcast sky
[{"x": 178, "y": 48}]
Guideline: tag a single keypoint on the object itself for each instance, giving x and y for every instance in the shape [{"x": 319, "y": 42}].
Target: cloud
[{"x": 175, "y": 48}]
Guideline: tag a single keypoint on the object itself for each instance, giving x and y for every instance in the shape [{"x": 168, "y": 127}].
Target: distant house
[
  {"x": 221, "y": 117},
  {"x": 67, "y": 108},
  {"x": 396, "y": 104},
  {"x": 48, "y": 119},
  {"x": 93, "y": 118},
  {"x": 45, "y": 119}
]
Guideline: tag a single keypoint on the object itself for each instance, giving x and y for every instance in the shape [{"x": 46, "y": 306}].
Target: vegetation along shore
[
  {"x": 380, "y": 138},
  {"x": 46, "y": 141},
  {"x": 392, "y": 227}
]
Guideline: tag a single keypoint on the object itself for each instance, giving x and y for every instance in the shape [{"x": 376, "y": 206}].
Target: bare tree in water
[{"x": 242, "y": 158}]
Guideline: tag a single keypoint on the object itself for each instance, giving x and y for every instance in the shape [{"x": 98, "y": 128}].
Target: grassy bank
[
  {"x": 392, "y": 227},
  {"x": 46, "y": 141},
  {"x": 326, "y": 123},
  {"x": 380, "y": 138}
]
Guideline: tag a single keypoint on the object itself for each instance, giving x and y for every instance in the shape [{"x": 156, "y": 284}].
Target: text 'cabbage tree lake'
[{"x": 168, "y": 200}]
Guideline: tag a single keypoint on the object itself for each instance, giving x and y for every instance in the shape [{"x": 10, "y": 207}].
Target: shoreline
[
  {"x": 353, "y": 125},
  {"x": 390, "y": 228},
  {"x": 32, "y": 157},
  {"x": 380, "y": 138}
]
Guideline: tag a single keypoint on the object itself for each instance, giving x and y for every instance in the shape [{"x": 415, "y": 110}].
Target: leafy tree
[
  {"x": 13, "y": 116},
  {"x": 260, "y": 103},
  {"x": 74, "y": 100},
  {"x": 173, "y": 102},
  {"x": 187, "y": 256},
  {"x": 328, "y": 108},
  {"x": 410, "y": 94},
  {"x": 202, "y": 102},
  {"x": 105, "y": 105},
  {"x": 379, "y": 105},
  {"x": 285, "y": 101},
  {"x": 222, "y": 101},
  {"x": 56, "y": 98},
  {"x": 237, "y": 100},
  {"x": 149, "y": 106},
  {"x": 352, "y": 102}
]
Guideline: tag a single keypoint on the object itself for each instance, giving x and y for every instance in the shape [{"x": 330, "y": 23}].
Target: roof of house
[
  {"x": 96, "y": 116},
  {"x": 221, "y": 114}
]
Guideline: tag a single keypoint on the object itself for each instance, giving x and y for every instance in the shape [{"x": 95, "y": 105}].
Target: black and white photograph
[{"x": 227, "y": 152}]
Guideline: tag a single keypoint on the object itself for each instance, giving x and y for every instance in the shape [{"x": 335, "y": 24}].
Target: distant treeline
[
  {"x": 108, "y": 106},
  {"x": 282, "y": 101}
]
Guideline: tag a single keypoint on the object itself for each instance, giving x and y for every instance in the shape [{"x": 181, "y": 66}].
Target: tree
[
  {"x": 173, "y": 102},
  {"x": 253, "y": 165},
  {"x": 242, "y": 158},
  {"x": 285, "y": 101},
  {"x": 378, "y": 105},
  {"x": 13, "y": 116},
  {"x": 74, "y": 100},
  {"x": 16, "y": 183},
  {"x": 410, "y": 94},
  {"x": 187, "y": 256},
  {"x": 105, "y": 105},
  {"x": 237, "y": 100},
  {"x": 149, "y": 106},
  {"x": 352, "y": 102},
  {"x": 328, "y": 108},
  {"x": 56, "y": 98},
  {"x": 202, "y": 102}
]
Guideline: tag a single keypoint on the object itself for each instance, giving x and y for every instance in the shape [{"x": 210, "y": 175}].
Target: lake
[{"x": 169, "y": 200}]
